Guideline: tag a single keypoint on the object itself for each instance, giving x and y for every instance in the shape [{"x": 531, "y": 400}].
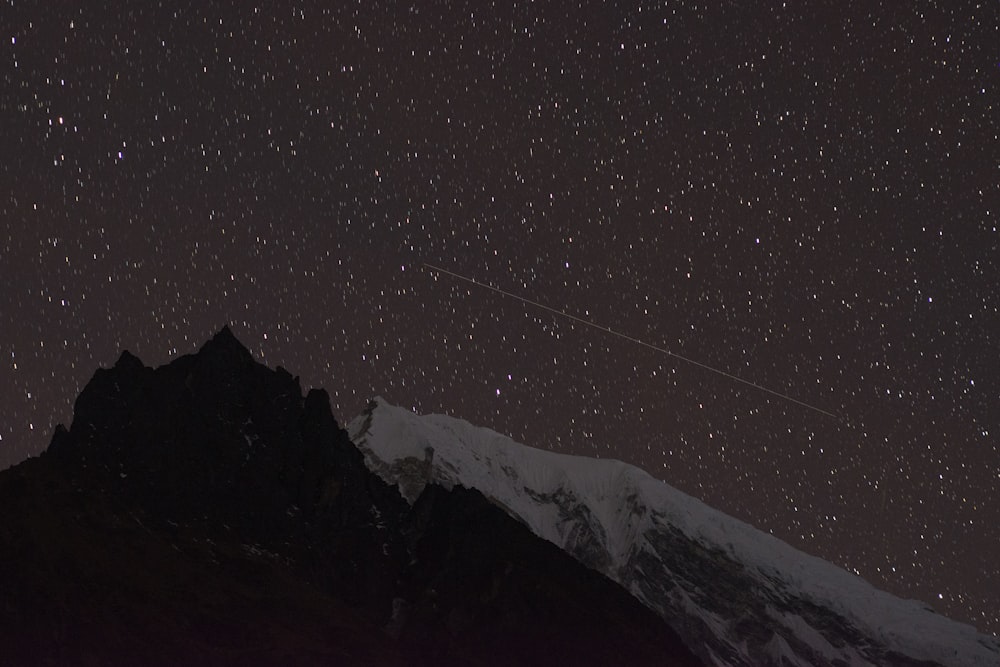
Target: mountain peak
[
  {"x": 128, "y": 361},
  {"x": 226, "y": 345},
  {"x": 212, "y": 429},
  {"x": 206, "y": 512},
  {"x": 225, "y": 335}
]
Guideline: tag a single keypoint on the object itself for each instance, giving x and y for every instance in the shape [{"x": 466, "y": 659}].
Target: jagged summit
[
  {"x": 214, "y": 430},
  {"x": 225, "y": 344},
  {"x": 225, "y": 335},
  {"x": 206, "y": 512},
  {"x": 128, "y": 360}
]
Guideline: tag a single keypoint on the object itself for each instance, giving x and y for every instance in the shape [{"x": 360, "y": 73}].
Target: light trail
[{"x": 605, "y": 329}]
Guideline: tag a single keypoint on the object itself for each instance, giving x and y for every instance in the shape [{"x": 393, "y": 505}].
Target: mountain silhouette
[{"x": 207, "y": 512}]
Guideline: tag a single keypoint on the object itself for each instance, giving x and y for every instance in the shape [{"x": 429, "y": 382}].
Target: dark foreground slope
[{"x": 206, "y": 513}]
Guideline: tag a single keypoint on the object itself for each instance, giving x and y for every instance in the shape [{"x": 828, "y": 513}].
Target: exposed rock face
[{"x": 204, "y": 512}]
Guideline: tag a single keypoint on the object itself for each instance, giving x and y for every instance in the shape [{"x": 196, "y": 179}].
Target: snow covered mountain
[{"x": 736, "y": 595}]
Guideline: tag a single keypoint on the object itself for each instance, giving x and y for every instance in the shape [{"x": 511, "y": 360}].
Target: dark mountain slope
[{"x": 206, "y": 513}]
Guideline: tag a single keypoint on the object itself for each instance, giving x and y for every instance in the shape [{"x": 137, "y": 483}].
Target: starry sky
[{"x": 803, "y": 195}]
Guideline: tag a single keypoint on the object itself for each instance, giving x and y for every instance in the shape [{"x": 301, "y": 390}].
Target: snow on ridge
[{"x": 454, "y": 451}]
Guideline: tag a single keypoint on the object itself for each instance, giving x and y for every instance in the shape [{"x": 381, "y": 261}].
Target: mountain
[
  {"x": 207, "y": 513},
  {"x": 736, "y": 595}
]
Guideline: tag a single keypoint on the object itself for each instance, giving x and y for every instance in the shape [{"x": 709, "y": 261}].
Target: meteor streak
[{"x": 605, "y": 329}]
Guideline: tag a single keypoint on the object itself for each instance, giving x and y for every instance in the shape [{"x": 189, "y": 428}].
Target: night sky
[{"x": 800, "y": 194}]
